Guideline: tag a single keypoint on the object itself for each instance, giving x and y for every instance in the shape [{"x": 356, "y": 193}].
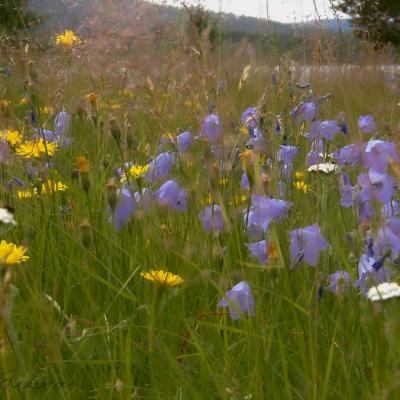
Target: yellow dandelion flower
[
  {"x": 23, "y": 101},
  {"x": 300, "y": 185},
  {"x": 36, "y": 148},
  {"x": 169, "y": 136},
  {"x": 114, "y": 105},
  {"x": 10, "y": 253},
  {"x": 27, "y": 194},
  {"x": 11, "y": 136},
  {"x": 138, "y": 170},
  {"x": 50, "y": 186},
  {"x": 299, "y": 174},
  {"x": 162, "y": 278},
  {"x": 4, "y": 103},
  {"x": 47, "y": 110},
  {"x": 67, "y": 39}
]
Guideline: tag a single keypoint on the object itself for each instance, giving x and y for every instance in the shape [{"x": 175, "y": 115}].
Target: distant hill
[{"x": 73, "y": 14}]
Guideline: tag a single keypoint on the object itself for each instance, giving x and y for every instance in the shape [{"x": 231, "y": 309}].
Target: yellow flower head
[
  {"x": 162, "y": 278},
  {"x": 27, "y": 194},
  {"x": 91, "y": 98},
  {"x": 10, "y": 253},
  {"x": 50, "y": 186},
  {"x": 301, "y": 185},
  {"x": 244, "y": 130},
  {"x": 36, "y": 148},
  {"x": 67, "y": 39},
  {"x": 138, "y": 170},
  {"x": 299, "y": 174},
  {"x": 169, "y": 136},
  {"x": 47, "y": 110},
  {"x": 46, "y": 187},
  {"x": 247, "y": 157},
  {"x": 11, "y": 136}
]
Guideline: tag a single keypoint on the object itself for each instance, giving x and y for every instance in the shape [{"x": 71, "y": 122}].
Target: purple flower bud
[
  {"x": 345, "y": 190},
  {"x": 126, "y": 208},
  {"x": 367, "y": 123},
  {"x": 211, "y": 127},
  {"x": 239, "y": 300},
  {"x": 184, "y": 141},
  {"x": 250, "y": 118},
  {"x": 309, "y": 111}
]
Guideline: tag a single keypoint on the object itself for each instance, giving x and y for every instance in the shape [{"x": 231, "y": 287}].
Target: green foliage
[
  {"x": 377, "y": 21},
  {"x": 14, "y": 15}
]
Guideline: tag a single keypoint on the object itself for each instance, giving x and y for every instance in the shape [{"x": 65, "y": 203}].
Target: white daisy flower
[
  {"x": 7, "y": 217},
  {"x": 384, "y": 291},
  {"x": 327, "y": 168}
]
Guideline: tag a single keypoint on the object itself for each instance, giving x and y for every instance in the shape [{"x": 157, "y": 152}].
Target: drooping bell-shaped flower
[
  {"x": 172, "y": 196},
  {"x": 378, "y": 153},
  {"x": 239, "y": 300},
  {"x": 367, "y": 123},
  {"x": 212, "y": 218},
  {"x": 211, "y": 128},
  {"x": 306, "y": 244}
]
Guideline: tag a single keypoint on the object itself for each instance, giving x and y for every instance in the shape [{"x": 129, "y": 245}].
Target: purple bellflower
[
  {"x": 172, "y": 196},
  {"x": 160, "y": 167},
  {"x": 259, "y": 250},
  {"x": 367, "y": 123},
  {"x": 339, "y": 281},
  {"x": 250, "y": 117},
  {"x": 262, "y": 212},
  {"x": 350, "y": 154},
  {"x": 286, "y": 154},
  {"x": 211, "y": 128},
  {"x": 388, "y": 239},
  {"x": 390, "y": 210},
  {"x": 345, "y": 190},
  {"x": 375, "y": 185},
  {"x": 184, "y": 141},
  {"x": 239, "y": 300},
  {"x": 306, "y": 244},
  {"x": 212, "y": 218},
  {"x": 378, "y": 153},
  {"x": 370, "y": 273}
]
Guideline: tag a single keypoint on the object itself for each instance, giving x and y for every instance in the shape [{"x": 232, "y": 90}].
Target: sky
[{"x": 278, "y": 10}]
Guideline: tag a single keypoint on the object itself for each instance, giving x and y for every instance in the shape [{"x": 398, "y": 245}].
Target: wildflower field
[{"x": 218, "y": 231}]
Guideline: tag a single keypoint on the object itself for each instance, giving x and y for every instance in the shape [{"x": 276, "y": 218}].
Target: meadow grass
[{"x": 85, "y": 324}]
